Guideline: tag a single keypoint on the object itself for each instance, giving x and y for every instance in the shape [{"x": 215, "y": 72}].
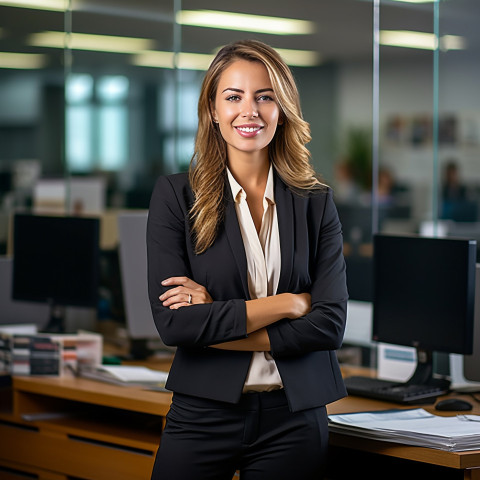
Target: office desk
[
  {"x": 102, "y": 432},
  {"x": 380, "y": 460},
  {"x": 81, "y": 428}
]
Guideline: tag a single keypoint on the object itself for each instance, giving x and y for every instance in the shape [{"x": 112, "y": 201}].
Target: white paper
[
  {"x": 128, "y": 373},
  {"x": 414, "y": 427}
]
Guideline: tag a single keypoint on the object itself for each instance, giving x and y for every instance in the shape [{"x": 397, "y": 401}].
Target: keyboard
[{"x": 403, "y": 393}]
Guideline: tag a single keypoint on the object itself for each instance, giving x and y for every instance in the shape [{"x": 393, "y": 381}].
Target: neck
[{"x": 250, "y": 170}]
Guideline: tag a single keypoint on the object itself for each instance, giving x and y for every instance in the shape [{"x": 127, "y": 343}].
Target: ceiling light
[
  {"x": 415, "y": 1},
  {"x": 185, "y": 61},
  {"x": 453, "y": 42},
  {"x": 420, "y": 40},
  {"x": 54, "y": 5},
  {"x": 194, "y": 61},
  {"x": 299, "y": 58},
  {"x": 84, "y": 41},
  {"x": 200, "y": 61},
  {"x": 154, "y": 59},
  {"x": 22, "y": 60},
  {"x": 244, "y": 22}
]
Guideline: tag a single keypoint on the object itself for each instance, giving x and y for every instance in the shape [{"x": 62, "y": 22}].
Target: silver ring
[{"x": 189, "y": 299}]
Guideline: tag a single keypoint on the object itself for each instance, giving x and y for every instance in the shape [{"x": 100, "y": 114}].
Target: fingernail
[{"x": 164, "y": 282}]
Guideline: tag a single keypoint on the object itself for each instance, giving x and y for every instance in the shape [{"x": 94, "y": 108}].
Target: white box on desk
[
  {"x": 78, "y": 350},
  {"x": 58, "y": 355}
]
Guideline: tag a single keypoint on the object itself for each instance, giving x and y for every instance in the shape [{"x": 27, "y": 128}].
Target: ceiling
[{"x": 343, "y": 34}]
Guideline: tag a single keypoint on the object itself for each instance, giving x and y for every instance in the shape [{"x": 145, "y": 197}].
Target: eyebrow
[{"x": 232, "y": 89}]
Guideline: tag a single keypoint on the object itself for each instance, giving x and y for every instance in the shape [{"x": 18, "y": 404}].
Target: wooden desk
[
  {"x": 379, "y": 460},
  {"x": 102, "y": 432},
  {"x": 108, "y": 432}
]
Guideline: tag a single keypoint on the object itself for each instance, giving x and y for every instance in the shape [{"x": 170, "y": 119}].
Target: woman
[{"x": 247, "y": 280}]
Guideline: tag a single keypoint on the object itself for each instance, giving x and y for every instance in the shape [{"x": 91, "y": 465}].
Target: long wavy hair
[{"x": 287, "y": 151}]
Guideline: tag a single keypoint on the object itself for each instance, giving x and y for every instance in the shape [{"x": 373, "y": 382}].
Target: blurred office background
[{"x": 99, "y": 97}]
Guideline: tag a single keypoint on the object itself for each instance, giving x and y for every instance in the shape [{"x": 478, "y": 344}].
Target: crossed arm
[{"x": 260, "y": 312}]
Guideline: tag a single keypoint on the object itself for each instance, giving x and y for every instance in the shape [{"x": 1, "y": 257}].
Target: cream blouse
[{"x": 263, "y": 264}]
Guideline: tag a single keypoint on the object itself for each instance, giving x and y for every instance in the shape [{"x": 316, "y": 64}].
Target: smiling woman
[{"x": 244, "y": 292}]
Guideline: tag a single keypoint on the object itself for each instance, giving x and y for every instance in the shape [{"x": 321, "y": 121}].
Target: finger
[
  {"x": 180, "y": 298},
  {"x": 168, "y": 294},
  {"x": 176, "y": 281},
  {"x": 182, "y": 281},
  {"x": 176, "y": 306},
  {"x": 172, "y": 292}
]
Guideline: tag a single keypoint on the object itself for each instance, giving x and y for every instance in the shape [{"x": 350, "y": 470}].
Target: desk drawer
[{"x": 77, "y": 455}]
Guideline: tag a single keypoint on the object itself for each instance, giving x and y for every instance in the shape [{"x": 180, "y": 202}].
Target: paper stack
[
  {"x": 23, "y": 351},
  {"x": 126, "y": 375},
  {"x": 412, "y": 427}
]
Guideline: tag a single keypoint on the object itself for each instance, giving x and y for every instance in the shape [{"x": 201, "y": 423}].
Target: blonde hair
[{"x": 287, "y": 151}]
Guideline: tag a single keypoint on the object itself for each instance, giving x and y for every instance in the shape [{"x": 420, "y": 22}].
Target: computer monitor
[
  {"x": 424, "y": 296},
  {"x": 143, "y": 335},
  {"x": 14, "y": 312},
  {"x": 471, "y": 363},
  {"x": 56, "y": 261}
]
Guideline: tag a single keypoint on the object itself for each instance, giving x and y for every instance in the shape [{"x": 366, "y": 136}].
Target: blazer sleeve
[
  {"x": 169, "y": 253},
  {"x": 323, "y": 328}
]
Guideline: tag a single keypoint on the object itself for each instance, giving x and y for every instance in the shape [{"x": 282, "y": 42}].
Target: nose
[{"x": 250, "y": 110}]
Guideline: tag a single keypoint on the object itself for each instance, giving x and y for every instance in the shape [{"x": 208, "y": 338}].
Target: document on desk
[
  {"x": 412, "y": 427},
  {"x": 126, "y": 375}
]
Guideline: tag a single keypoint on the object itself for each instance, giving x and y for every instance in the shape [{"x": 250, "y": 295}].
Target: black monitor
[
  {"x": 56, "y": 260},
  {"x": 423, "y": 296}
]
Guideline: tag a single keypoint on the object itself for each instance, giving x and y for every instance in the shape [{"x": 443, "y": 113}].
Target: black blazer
[{"x": 312, "y": 261}]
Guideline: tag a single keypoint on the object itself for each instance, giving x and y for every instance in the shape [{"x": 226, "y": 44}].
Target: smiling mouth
[{"x": 249, "y": 129}]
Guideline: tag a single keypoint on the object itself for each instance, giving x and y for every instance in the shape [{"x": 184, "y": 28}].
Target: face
[{"x": 246, "y": 108}]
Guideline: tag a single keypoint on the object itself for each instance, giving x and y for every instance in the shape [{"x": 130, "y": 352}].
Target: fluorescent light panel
[
  {"x": 185, "y": 61},
  {"x": 415, "y": 1},
  {"x": 200, "y": 61},
  {"x": 420, "y": 40},
  {"x": 299, "y": 58},
  {"x": 84, "y": 41},
  {"x": 244, "y": 22},
  {"x": 53, "y": 5},
  {"x": 144, "y": 53},
  {"x": 22, "y": 60}
]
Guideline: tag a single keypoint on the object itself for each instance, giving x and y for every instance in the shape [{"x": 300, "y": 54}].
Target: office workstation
[
  {"x": 67, "y": 423},
  {"x": 85, "y": 131}
]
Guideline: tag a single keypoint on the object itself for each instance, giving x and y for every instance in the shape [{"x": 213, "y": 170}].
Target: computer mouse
[{"x": 453, "y": 404}]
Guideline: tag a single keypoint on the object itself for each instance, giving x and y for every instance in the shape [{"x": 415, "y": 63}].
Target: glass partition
[
  {"x": 98, "y": 98},
  {"x": 458, "y": 174}
]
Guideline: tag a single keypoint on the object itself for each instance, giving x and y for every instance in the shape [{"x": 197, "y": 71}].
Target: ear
[{"x": 213, "y": 112}]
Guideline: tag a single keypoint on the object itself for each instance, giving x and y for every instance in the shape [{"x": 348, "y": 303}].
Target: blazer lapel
[
  {"x": 286, "y": 228},
  {"x": 235, "y": 240}
]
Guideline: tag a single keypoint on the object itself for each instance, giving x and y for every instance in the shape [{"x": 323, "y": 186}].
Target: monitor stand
[
  {"x": 423, "y": 374},
  {"x": 56, "y": 323},
  {"x": 459, "y": 382}
]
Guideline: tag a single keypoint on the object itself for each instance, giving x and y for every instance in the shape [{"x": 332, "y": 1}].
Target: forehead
[{"x": 244, "y": 75}]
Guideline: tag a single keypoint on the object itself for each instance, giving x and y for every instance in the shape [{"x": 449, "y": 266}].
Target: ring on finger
[{"x": 190, "y": 298}]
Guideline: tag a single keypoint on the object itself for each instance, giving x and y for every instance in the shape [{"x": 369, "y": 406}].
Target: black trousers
[{"x": 209, "y": 440}]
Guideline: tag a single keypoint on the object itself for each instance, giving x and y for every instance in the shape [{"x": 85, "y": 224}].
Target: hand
[{"x": 187, "y": 293}]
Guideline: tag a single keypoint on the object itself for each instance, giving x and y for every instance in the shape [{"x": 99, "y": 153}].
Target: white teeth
[{"x": 248, "y": 129}]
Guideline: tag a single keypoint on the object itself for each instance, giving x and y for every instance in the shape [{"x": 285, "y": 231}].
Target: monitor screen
[
  {"x": 56, "y": 259},
  {"x": 424, "y": 292},
  {"x": 471, "y": 363},
  {"x": 143, "y": 335}
]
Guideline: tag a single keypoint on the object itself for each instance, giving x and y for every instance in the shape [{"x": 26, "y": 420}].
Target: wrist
[{"x": 290, "y": 305}]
